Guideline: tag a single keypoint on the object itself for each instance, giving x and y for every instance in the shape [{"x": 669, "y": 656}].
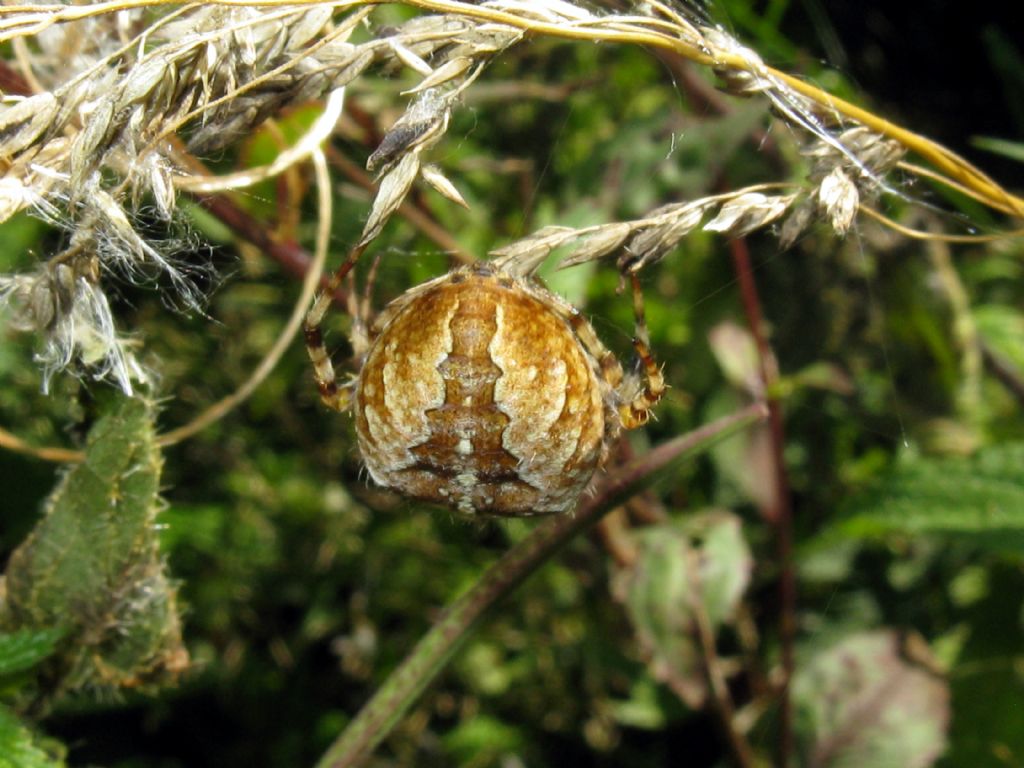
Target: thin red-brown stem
[
  {"x": 780, "y": 513},
  {"x": 12, "y": 81},
  {"x": 721, "y": 699},
  {"x": 292, "y": 257}
]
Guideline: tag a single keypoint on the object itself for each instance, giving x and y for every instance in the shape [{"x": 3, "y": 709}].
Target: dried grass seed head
[
  {"x": 87, "y": 153},
  {"x": 66, "y": 307},
  {"x": 846, "y": 171}
]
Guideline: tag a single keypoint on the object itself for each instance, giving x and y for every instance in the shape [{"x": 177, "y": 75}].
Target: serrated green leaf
[
  {"x": 25, "y": 648},
  {"x": 700, "y": 561},
  {"x": 981, "y": 496},
  {"x": 860, "y": 703},
  {"x": 19, "y": 748},
  {"x": 92, "y": 567}
]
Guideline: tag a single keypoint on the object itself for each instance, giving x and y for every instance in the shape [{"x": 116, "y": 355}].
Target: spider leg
[
  {"x": 363, "y": 314},
  {"x": 334, "y": 396},
  {"x": 609, "y": 366},
  {"x": 637, "y": 412}
]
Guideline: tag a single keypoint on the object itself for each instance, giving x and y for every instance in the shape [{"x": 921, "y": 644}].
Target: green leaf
[
  {"x": 1011, "y": 149},
  {"x": 981, "y": 496},
  {"x": 91, "y": 567},
  {"x": 649, "y": 706},
  {"x": 482, "y": 740},
  {"x": 700, "y": 561},
  {"x": 18, "y": 747},
  {"x": 18, "y": 234},
  {"x": 24, "y": 649},
  {"x": 861, "y": 703},
  {"x": 988, "y": 730},
  {"x": 987, "y": 676},
  {"x": 1002, "y": 328}
]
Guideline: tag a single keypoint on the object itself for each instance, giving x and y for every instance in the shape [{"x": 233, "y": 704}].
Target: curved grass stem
[
  {"x": 56, "y": 454},
  {"x": 438, "y": 646},
  {"x": 310, "y": 283}
]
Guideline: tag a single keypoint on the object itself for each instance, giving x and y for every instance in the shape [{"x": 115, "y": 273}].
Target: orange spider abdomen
[{"x": 478, "y": 395}]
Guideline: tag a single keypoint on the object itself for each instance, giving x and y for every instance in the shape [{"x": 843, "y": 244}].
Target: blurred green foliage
[
  {"x": 862, "y": 703},
  {"x": 301, "y": 585},
  {"x": 19, "y": 748},
  {"x": 684, "y": 573}
]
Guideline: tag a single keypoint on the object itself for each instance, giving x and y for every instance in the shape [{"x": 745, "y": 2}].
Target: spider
[{"x": 485, "y": 392}]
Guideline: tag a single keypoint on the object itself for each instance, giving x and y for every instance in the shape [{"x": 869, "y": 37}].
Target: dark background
[{"x": 950, "y": 70}]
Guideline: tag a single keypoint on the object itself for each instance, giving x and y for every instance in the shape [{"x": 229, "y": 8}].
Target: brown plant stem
[
  {"x": 12, "y": 442},
  {"x": 401, "y": 689},
  {"x": 1005, "y": 371},
  {"x": 780, "y": 512},
  {"x": 292, "y": 257},
  {"x": 12, "y": 81},
  {"x": 721, "y": 699}
]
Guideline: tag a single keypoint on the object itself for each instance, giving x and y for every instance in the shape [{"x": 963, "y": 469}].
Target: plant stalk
[{"x": 780, "y": 512}]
